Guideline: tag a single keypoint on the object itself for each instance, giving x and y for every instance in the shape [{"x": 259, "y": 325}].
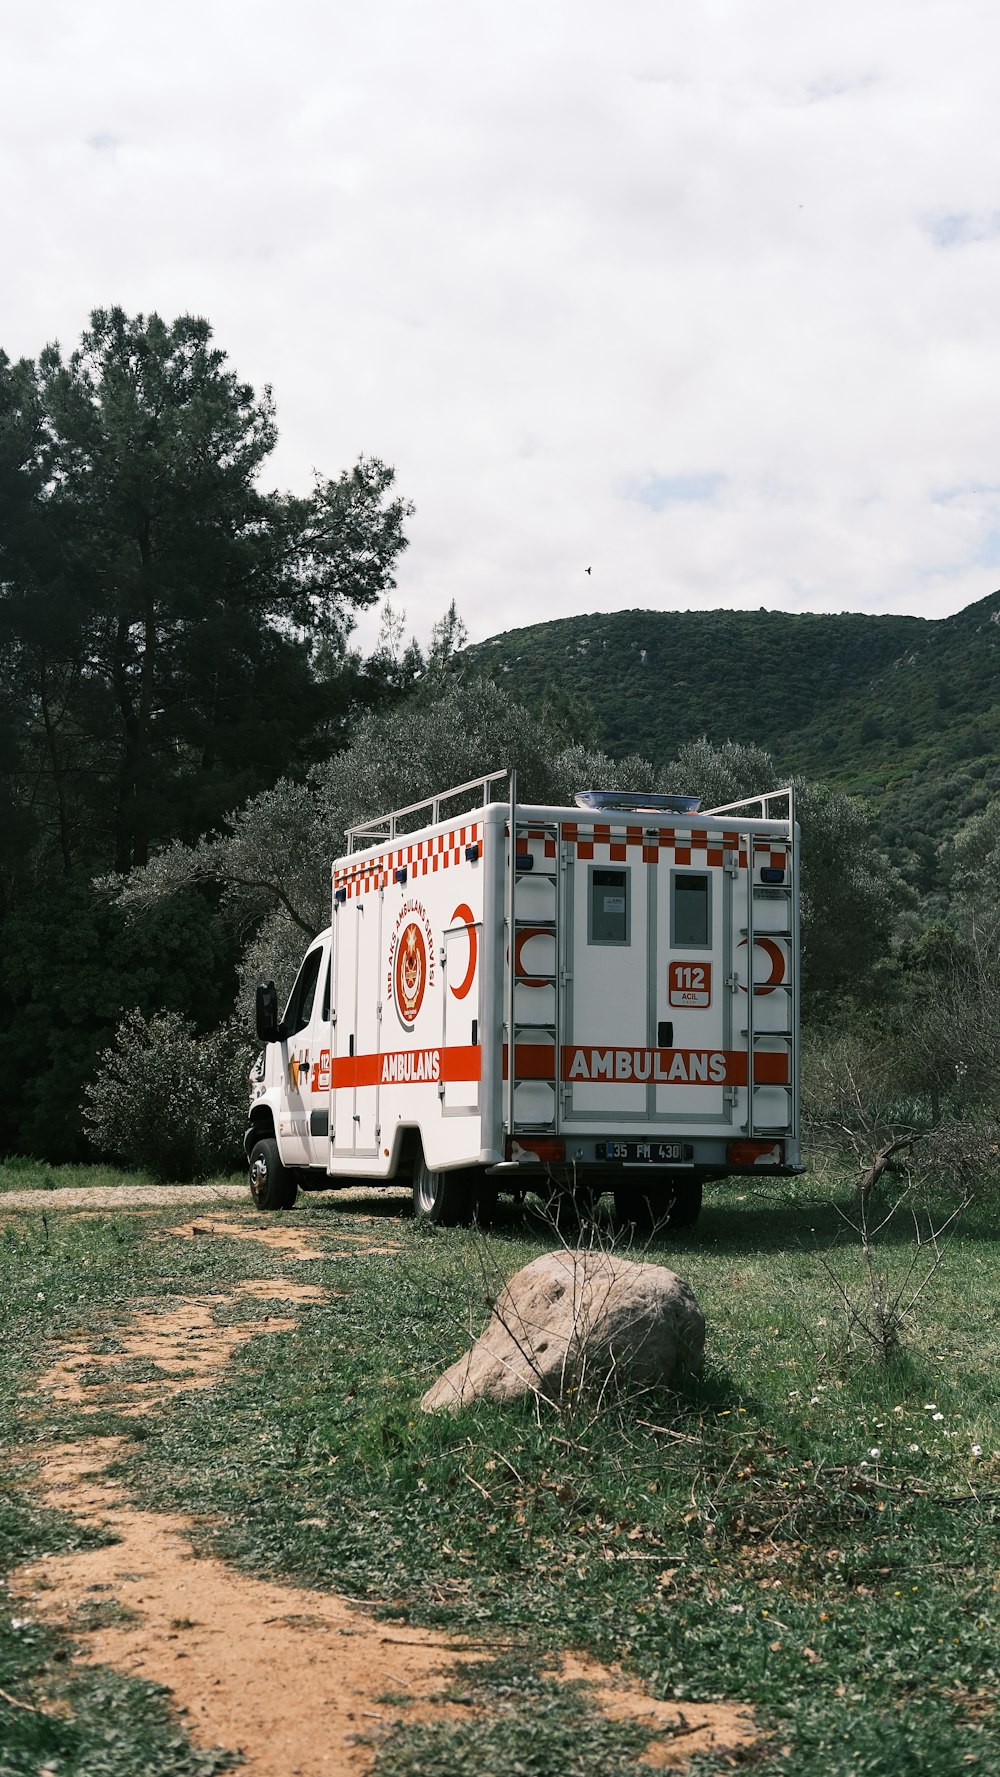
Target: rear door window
[
  {"x": 690, "y": 911},
  {"x": 609, "y": 919}
]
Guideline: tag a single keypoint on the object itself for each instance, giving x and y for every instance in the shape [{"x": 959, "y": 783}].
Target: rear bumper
[{"x": 701, "y": 1156}]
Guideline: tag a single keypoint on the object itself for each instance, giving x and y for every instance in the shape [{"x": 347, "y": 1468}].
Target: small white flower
[
  {"x": 938, "y": 1416},
  {"x": 876, "y": 1452},
  {"x": 898, "y": 1409},
  {"x": 40, "y": 1296},
  {"x": 862, "y": 1464},
  {"x": 913, "y": 1449},
  {"x": 20, "y": 1622},
  {"x": 814, "y": 1400},
  {"x": 977, "y": 1449},
  {"x": 930, "y": 1406}
]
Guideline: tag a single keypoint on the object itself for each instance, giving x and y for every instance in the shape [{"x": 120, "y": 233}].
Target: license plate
[{"x": 649, "y": 1153}]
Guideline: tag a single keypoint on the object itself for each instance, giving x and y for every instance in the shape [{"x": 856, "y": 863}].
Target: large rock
[{"x": 571, "y": 1320}]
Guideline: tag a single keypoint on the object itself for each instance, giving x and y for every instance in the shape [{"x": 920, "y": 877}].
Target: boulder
[{"x": 572, "y": 1320}]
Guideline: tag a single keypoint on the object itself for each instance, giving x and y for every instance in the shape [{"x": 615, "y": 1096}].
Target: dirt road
[{"x": 301, "y": 1682}]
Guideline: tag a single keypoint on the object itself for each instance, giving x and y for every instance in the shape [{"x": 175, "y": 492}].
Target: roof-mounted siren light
[{"x": 636, "y": 802}]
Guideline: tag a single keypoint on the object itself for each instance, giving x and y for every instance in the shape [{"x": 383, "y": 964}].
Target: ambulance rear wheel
[
  {"x": 445, "y": 1198},
  {"x": 635, "y": 1208},
  {"x": 686, "y": 1206},
  {"x": 676, "y": 1203},
  {"x": 271, "y": 1185},
  {"x": 567, "y": 1208}
]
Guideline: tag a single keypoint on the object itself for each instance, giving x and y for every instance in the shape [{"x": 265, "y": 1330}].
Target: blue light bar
[{"x": 636, "y": 802}]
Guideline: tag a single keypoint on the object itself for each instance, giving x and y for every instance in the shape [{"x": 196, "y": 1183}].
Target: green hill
[{"x": 903, "y": 709}]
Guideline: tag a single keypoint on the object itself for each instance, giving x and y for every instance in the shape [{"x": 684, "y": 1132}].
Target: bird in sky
[{"x": 586, "y": 570}]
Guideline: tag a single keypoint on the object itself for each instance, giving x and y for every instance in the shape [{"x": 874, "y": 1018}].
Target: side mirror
[{"x": 267, "y": 1012}]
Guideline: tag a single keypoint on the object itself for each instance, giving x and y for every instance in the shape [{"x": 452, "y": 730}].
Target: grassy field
[
  {"x": 21, "y": 1173},
  {"x": 806, "y": 1533}
]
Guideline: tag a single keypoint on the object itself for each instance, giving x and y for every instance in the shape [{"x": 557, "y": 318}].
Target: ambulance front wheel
[
  {"x": 442, "y": 1197},
  {"x": 271, "y": 1186}
]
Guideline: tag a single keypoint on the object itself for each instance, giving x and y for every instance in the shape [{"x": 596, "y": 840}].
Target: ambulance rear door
[
  {"x": 606, "y": 1000},
  {"x": 696, "y": 1073}
]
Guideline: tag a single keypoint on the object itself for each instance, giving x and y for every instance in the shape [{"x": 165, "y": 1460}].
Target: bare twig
[
  {"x": 15, "y": 1703},
  {"x": 882, "y": 1163}
]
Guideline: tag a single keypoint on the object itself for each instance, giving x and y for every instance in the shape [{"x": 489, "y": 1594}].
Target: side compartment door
[
  {"x": 344, "y": 990},
  {"x": 367, "y": 1023},
  {"x": 357, "y": 1024}
]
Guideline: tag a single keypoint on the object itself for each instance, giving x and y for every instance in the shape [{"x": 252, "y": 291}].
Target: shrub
[{"x": 169, "y": 1100}]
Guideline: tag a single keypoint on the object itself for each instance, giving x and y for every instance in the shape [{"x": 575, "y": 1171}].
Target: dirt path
[
  {"x": 122, "y": 1196},
  {"x": 303, "y": 1683}
]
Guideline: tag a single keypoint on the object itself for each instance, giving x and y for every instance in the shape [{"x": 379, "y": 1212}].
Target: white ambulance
[{"x": 559, "y": 1000}]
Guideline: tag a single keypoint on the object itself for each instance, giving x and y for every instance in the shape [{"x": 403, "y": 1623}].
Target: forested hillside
[
  {"x": 901, "y": 709},
  {"x": 185, "y": 732}
]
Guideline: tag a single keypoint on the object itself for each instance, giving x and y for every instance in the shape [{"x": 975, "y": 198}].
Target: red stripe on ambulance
[
  {"x": 662, "y": 1067},
  {"x": 409, "y": 1067},
  {"x": 672, "y": 1067}
]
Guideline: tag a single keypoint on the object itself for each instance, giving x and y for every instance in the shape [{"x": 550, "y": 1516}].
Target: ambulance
[{"x": 566, "y": 1001}]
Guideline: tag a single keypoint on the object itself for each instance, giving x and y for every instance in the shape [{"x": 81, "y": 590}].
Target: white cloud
[{"x": 543, "y": 258}]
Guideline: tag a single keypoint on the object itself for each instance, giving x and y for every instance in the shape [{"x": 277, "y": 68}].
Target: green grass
[
  {"x": 22, "y": 1172},
  {"x": 739, "y": 1543}
]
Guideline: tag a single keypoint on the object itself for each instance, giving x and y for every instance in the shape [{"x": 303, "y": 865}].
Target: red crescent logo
[
  {"x": 776, "y": 959},
  {"x": 464, "y": 915},
  {"x": 519, "y": 943}
]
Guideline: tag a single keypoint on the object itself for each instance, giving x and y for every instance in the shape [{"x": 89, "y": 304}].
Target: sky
[{"x": 702, "y": 296}]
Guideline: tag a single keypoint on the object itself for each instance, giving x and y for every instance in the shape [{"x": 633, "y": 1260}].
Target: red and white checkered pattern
[
  {"x": 693, "y": 846},
  {"x": 424, "y": 858}
]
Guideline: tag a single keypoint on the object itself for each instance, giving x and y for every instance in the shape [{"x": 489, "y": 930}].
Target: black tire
[
  {"x": 272, "y": 1186},
  {"x": 566, "y": 1209},
  {"x": 686, "y": 1206},
  {"x": 674, "y": 1202},
  {"x": 485, "y": 1202},
  {"x": 444, "y": 1198},
  {"x": 635, "y": 1207}
]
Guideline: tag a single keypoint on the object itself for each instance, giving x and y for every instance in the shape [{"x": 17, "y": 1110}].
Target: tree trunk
[
  {"x": 58, "y": 774},
  {"x": 132, "y": 822}
]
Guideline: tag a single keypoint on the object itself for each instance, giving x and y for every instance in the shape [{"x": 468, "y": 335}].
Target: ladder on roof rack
[
  {"x": 532, "y": 996},
  {"x": 787, "y": 893},
  {"x": 385, "y": 826}
]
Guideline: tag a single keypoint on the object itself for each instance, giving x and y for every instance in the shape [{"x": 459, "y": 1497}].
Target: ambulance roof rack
[
  {"x": 384, "y": 828},
  {"x": 637, "y": 802},
  {"x": 764, "y": 803}
]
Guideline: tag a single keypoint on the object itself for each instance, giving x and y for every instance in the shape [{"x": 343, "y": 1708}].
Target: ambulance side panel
[{"x": 410, "y": 966}]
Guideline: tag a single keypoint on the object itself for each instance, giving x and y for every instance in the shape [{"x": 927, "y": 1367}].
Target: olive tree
[{"x": 272, "y": 858}]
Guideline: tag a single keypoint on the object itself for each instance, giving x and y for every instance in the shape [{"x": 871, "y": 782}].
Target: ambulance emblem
[
  {"x": 410, "y": 965},
  {"x": 411, "y": 971}
]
